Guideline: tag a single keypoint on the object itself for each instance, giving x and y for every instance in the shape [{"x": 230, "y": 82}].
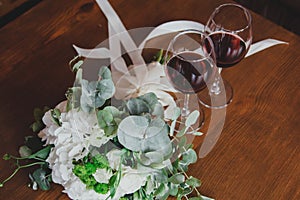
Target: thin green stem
[
  {"x": 28, "y": 157},
  {"x": 10, "y": 177},
  {"x": 18, "y": 168},
  {"x": 32, "y": 164}
]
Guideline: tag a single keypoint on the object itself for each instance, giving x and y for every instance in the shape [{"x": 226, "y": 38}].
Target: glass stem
[
  {"x": 215, "y": 88},
  {"x": 185, "y": 110}
]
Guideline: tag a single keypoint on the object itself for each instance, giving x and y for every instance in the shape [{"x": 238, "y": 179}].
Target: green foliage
[
  {"x": 146, "y": 140},
  {"x": 192, "y": 118},
  {"x": 177, "y": 178},
  {"x": 100, "y": 161},
  {"x": 193, "y": 182},
  {"x": 147, "y": 103},
  {"x": 55, "y": 114},
  {"x": 107, "y": 122},
  {"x": 101, "y": 188},
  {"x": 90, "y": 95},
  {"x": 85, "y": 168},
  {"x": 25, "y": 151},
  {"x": 76, "y": 63},
  {"x": 95, "y": 93},
  {"x": 41, "y": 178},
  {"x": 148, "y": 135},
  {"x": 38, "y": 114}
]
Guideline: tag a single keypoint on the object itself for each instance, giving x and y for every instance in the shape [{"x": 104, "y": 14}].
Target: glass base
[{"x": 214, "y": 98}]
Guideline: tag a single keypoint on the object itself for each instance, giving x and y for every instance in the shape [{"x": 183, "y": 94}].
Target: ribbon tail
[
  {"x": 262, "y": 45},
  {"x": 124, "y": 36},
  {"x": 100, "y": 53}
]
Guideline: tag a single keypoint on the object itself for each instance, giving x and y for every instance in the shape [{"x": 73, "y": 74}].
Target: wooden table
[{"x": 257, "y": 156}]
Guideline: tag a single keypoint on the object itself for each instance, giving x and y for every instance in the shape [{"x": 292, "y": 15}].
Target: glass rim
[
  {"x": 246, "y": 12},
  {"x": 205, "y": 57}
]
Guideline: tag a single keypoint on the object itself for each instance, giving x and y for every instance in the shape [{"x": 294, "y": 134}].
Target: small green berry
[
  {"x": 101, "y": 188},
  {"x": 79, "y": 170},
  {"x": 6, "y": 157},
  {"x": 90, "y": 168}
]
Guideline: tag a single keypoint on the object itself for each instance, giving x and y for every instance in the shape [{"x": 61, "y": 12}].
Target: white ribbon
[{"x": 264, "y": 44}]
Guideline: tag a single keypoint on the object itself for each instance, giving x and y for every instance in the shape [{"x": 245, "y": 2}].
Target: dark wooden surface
[
  {"x": 7, "y": 6},
  {"x": 257, "y": 156}
]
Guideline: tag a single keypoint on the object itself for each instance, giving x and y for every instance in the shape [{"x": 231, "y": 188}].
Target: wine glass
[
  {"x": 189, "y": 65},
  {"x": 230, "y": 30}
]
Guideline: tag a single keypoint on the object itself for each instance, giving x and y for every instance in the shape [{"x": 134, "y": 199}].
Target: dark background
[{"x": 285, "y": 13}]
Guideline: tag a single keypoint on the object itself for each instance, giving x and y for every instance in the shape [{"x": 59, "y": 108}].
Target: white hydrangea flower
[
  {"x": 78, "y": 131},
  {"x": 48, "y": 133}
]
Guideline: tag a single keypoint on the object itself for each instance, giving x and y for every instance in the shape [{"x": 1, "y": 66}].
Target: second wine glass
[
  {"x": 230, "y": 30},
  {"x": 189, "y": 65}
]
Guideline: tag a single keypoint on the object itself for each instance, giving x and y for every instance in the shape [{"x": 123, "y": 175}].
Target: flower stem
[{"x": 17, "y": 169}]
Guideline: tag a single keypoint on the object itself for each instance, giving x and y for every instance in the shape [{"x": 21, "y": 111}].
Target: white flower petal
[
  {"x": 114, "y": 158},
  {"x": 102, "y": 175}
]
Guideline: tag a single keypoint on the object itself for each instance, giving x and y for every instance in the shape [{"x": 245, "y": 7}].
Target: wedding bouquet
[{"x": 98, "y": 147}]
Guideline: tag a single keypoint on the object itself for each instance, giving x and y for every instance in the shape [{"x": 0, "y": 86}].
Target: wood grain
[
  {"x": 258, "y": 153},
  {"x": 7, "y": 6}
]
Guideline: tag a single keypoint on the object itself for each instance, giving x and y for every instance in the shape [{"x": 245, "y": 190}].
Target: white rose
[
  {"x": 102, "y": 175},
  {"x": 131, "y": 181}
]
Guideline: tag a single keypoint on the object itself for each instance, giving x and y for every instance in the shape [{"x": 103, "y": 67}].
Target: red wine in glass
[
  {"x": 229, "y": 48},
  {"x": 188, "y": 72}
]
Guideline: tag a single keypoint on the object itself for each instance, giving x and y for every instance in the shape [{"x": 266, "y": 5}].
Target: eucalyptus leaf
[
  {"x": 172, "y": 128},
  {"x": 162, "y": 192},
  {"x": 105, "y": 88},
  {"x": 158, "y": 110},
  {"x": 147, "y": 135},
  {"x": 173, "y": 189},
  {"x": 183, "y": 192},
  {"x": 37, "y": 126},
  {"x": 192, "y": 118},
  {"x": 193, "y": 182},
  {"x": 25, "y": 151},
  {"x": 197, "y": 133},
  {"x": 38, "y": 114},
  {"x": 154, "y": 157},
  {"x": 177, "y": 178},
  {"x": 78, "y": 78},
  {"x": 147, "y": 103},
  {"x": 132, "y": 139},
  {"x": 34, "y": 143},
  {"x": 113, "y": 110},
  {"x": 189, "y": 157},
  {"x": 104, "y": 73},
  {"x": 182, "y": 142},
  {"x": 105, "y": 118},
  {"x": 176, "y": 113},
  {"x": 137, "y": 106},
  {"x": 182, "y": 132},
  {"x": 95, "y": 93},
  {"x": 42, "y": 154},
  {"x": 41, "y": 179}
]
